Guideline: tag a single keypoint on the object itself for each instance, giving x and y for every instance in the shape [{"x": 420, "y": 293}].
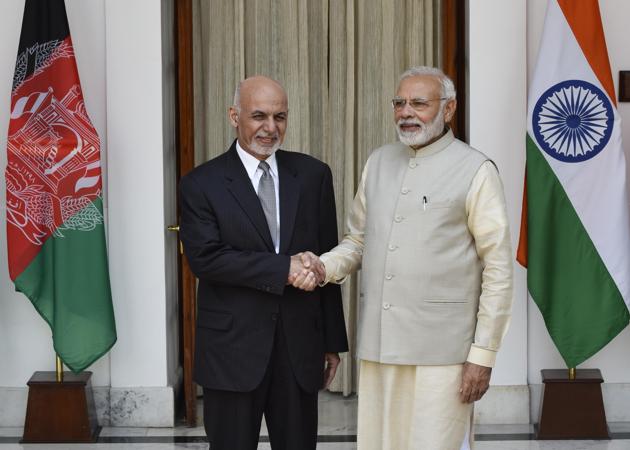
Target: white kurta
[
  {"x": 410, "y": 406},
  {"x": 487, "y": 222}
]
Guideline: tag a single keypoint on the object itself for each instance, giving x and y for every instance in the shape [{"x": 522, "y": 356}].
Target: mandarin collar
[{"x": 433, "y": 148}]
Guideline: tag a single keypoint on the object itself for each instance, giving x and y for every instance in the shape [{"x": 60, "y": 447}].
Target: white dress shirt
[{"x": 254, "y": 173}]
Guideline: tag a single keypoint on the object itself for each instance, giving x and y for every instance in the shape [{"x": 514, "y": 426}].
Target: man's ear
[
  {"x": 449, "y": 110},
  {"x": 233, "y": 116}
]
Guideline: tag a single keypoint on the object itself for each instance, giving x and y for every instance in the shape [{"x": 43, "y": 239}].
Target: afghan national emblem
[
  {"x": 53, "y": 172},
  {"x": 572, "y": 121}
]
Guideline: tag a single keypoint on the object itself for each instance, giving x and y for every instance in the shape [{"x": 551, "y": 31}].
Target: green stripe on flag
[
  {"x": 566, "y": 277},
  {"x": 68, "y": 283}
]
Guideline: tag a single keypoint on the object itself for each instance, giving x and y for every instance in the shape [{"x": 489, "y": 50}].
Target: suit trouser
[{"x": 232, "y": 419}]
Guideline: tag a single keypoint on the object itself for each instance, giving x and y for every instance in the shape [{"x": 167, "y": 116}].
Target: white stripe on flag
[{"x": 596, "y": 187}]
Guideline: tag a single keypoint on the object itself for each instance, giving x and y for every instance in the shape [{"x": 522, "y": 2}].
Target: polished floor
[{"x": 337, "y": 431}]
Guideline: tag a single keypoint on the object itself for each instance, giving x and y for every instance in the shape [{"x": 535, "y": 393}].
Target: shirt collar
[
  {"x": 435, "y": 147},
  {"x": 251, "y": 163}
]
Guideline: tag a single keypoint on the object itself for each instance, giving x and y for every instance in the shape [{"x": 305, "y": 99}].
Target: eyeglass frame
[{"x": 422, "y": 107}]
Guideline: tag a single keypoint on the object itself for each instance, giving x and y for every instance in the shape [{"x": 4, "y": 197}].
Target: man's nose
[
  {"x": 270, "y": 125},
  {"x": 407, "y": 111}
]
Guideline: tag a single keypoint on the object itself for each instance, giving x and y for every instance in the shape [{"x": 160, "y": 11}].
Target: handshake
[{"x": 306, "y": 271}]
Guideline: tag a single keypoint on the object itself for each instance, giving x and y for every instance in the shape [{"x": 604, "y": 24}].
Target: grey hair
[
  {"x": 237, "y": 97},
  {"x": 448, "y": 88}
]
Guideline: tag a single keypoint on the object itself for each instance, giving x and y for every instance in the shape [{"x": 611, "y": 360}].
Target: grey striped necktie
[{"x": 267, "y": 196}]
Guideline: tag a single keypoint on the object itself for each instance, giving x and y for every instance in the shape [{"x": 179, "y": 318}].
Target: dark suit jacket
[{"x": 242, "y": 281}]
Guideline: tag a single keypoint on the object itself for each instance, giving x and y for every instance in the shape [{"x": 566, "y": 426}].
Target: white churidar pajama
[{"x": 411, "y": 408}]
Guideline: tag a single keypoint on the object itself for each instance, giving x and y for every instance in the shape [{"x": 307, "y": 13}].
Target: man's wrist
[
  {"x": 331, "y": 269},
  {"x": 482, "y": 356}
]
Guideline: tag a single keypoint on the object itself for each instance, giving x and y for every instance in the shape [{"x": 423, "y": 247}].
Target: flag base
[
  {"x": 572, "y": 409},
  {"x": 60, "y": 411}
]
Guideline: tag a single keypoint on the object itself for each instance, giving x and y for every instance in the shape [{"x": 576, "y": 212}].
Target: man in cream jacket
[{"x": 429, "y": 229}]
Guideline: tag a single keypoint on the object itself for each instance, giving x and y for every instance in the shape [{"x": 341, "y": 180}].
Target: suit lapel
[
  {"x": 289, "y": 199},
  {"x": 240, "y": 186}
]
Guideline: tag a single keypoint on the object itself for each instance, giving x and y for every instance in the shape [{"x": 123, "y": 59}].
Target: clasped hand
[{"x": 306, "y": 271}]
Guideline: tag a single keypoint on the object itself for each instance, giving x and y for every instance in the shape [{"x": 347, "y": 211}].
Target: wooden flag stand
[
  {"x": 60, "y": 408},
  {"x": 572, "y": 406}
]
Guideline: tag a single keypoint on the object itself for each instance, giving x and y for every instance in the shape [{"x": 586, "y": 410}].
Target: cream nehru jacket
[{"x": 429, "y": 229}]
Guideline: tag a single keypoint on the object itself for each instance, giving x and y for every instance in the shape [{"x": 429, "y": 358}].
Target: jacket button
[
  {"x": 274, "y": 316},
  {"x": 413, "y": 164},
  {"x": 386, "y": 305},
  {"x": 398, "y": 219},
  {"x": 389, "y": 276},
  {"x": 392, "y": 247},
  {"x": 405, "y": 190}
]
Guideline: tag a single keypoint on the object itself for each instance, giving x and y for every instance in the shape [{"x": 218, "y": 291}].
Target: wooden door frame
[
  {"x": 454, "y": 60},
  {"x": 185, "y": 162}
]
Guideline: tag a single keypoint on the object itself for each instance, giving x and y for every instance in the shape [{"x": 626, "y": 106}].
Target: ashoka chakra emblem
[{"x": 573, "y": 121}]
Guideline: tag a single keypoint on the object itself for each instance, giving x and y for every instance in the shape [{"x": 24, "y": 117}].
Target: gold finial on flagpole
[
  {"x": 572, "y": 373},
  {"x": 59, "y": 370}
]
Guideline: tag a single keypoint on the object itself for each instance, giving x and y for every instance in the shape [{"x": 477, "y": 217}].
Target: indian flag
[{"x": 575, "y": 233}]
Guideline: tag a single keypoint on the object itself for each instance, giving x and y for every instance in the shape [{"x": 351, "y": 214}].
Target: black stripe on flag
[{"x": 44, "y": 27}]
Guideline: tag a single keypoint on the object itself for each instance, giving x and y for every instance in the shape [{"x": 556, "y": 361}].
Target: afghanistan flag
[
  {"x": 55, "y": 233},
  {"x": 575, "y": 234}
]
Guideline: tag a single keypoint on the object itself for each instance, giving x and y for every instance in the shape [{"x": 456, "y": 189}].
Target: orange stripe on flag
[
  {"x": 586, "y": 23},
  {"x": 521, "y": 252}
]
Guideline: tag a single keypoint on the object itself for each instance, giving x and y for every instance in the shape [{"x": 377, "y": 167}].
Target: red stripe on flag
[
  {"x": 585, "y": 21},
  {"x": 52, "y": 147}
]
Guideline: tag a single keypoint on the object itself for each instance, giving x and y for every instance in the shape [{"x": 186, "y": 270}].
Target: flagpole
[
  {"x": 572, "y": 372},
  {"x": 59, "y": 370}
]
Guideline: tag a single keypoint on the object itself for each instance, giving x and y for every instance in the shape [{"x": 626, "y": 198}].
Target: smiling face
[
  {"x": 420, "y": 126},
  {"x": 261, "y": 118}
]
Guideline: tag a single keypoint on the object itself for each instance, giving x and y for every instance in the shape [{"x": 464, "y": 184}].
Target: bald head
[
  {"x": 253, "y": 83},
  {"x": 259, "y": 114}
]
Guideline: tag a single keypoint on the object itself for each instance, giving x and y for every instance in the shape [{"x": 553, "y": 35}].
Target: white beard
[
  {"x": 426, "y": 133},
  {"x": 263, "y": 151}
]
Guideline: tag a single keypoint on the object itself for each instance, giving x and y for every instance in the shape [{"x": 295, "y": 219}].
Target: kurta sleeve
[
  {"x": 488, "y": 223},
  {"x": 346, "y": 257}
]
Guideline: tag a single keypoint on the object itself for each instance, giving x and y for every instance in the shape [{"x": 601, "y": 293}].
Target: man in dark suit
[{"x": 262, "y": 346}]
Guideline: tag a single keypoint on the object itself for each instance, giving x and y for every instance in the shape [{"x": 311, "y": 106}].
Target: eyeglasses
[{"x": 419, "y": 104}]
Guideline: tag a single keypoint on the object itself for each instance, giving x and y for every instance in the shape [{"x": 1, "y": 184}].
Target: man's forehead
[
  {"x": 263, "y": 106},
  {"x": 420, "y": 86},
  {"x": 264, "y": 98}
]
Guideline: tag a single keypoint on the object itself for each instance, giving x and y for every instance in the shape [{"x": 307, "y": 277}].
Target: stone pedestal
[
  {"x": 60, "y": 411},
  {"x": 572, "y": 409}
]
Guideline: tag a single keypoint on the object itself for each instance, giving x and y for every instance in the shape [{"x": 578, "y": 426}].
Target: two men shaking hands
[
  {"x": 427, "y": 227},
  {"x": 306, "y": 271}
]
